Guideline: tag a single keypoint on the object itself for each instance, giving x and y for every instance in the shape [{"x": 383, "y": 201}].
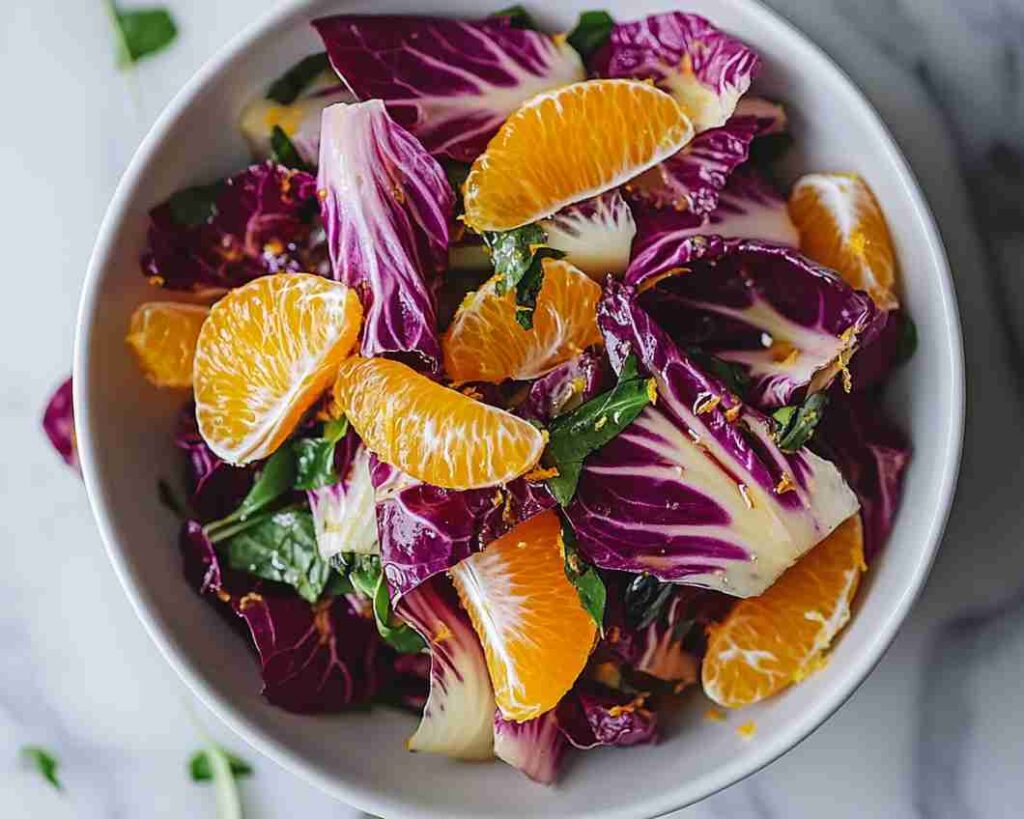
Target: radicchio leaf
[
  {"x": 695, "y": 490},
  {"x": 706, "y": 70},
  {"x": 452, "y": 83},
  {"x": 592, "y": 715},
  {"x": 791, "y": 324},
  {"x": 386, "y": 207},
  {"x": 873, "y": 455},
  {"x": 424, "y": 529},
  {"x": 595, "y": 235},
  {"x": 535, "y": 747},
  {"x": 457, "y": 718},
  {"x": 566, "y": 387},
  {"x": 343, "y": 512},
  {"x": 668, "y": 240},
  {"x": 260, "y": 221},
  {"x": 59, "y": 425},
  {"x": 215, "y": 487}
]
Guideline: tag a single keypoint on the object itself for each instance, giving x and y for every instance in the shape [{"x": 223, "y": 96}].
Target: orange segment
[
  {"x": 842, "y": 227},
  {"x": 767, "y": 642},
  {"x": 536, "y": 635},
  {"x": 266, "y": 353},
  {"x": 163, "y": 336},
  {"x": 485, "y": 342},
  {"x": 432, "y": 432},
  {"x": 568, "y": 145}
]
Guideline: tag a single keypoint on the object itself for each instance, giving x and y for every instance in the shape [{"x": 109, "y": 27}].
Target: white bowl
[{"x": 124, "y": 434}]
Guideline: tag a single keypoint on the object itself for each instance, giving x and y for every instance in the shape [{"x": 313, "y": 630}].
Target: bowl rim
[{"x": 381, "y": 803}]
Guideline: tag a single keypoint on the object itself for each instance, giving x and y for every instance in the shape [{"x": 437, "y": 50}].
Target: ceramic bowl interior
[{"x": 124, "y": 429}]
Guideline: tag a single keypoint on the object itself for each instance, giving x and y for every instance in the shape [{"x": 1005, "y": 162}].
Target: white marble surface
[{"x": 935, "y": 732}]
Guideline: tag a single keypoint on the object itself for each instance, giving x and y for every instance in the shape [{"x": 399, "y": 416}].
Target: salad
[{"x": 518, "y": 391}]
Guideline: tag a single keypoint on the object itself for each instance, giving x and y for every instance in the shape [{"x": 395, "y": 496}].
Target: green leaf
[
  {"x": 222, "y": 773},
  {"x": 794, "y": 426},
  {"x": 286, "y": 88},
  {"x": 730, "y": 374},
  {"x": 282, "y": 548},
  {"x": 518, "y": 17},
  {"x": 368, "y": 579},
  {"x": 338, "y": 584},
  {"x": 283, "y": 150},
  {"x": 44, "y": 762},
  {"x": 518, "y": 256},
  {"x": 577, "y": 434},
  {"x": 584, "y": 577},
  {"x": 141, "y": 32},
  {"x": 194, "y": 206},
  {"x": 592, "y": 31},
  {"x": 200, "y": 770},
  {"x": 276, "y": 478},
  {"x": 907, "y": 344},
  {"x": 314, "y": 457}
]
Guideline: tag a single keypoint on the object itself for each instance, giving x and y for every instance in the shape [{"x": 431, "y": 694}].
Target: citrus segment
[
  {"x": 485, "y": 342},
  {"x": 568, "y": 145},
  {"x": 536, "y": 635},
  {"x": 767, "y": 642},
  {"x": 266, "y": 353},
  {"x": 841, "y": 226},
  {"x": 163, "y": 336},
  {"x": 431, "y": 432}
]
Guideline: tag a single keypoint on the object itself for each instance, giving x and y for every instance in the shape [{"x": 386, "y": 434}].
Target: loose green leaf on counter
[
  {"x": 584, "y": 577},
  {"x": 44, "y": 762},
  {"x": 199, "y": 765},
  {"x": 577, "y": 434},
  {"x": 794, "y": 426},
  {"x": 591, "y": 32},
  {"x": 141, "y": 32}
]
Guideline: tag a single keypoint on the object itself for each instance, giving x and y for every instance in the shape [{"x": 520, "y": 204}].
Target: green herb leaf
[
  {"x": 645, "y": 599},
  {"x": 286, "y": 88},
  {"x": 314, "y": 457},
  {"x": 200, "y": 770},
  {"x": 584, "y": 577},
  {"x": 907, "y": 344},
  {"x": 44, "y": 762},
  {"x": 283, "y": 150},
  {"x": 518, "y": 256},
  {"x": 794, "y": 426},
  {"x": 282, "y": 547},
  {"x": 575, "y": 435},
  {"x": 592, "y": 31},
  {"x": 338, "y": 584},
  {"x": 518, "y": 17},
  {"x": 276, "y": 478},
  {"x": 141, "y": 32},
  {"x": 194, "y": 206},
  {"x": 368, "y": 579},
  {"x": 222, "y": 773}
]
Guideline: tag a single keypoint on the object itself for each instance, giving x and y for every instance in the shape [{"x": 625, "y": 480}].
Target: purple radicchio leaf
[
  {"x": 592, "y": 715},
  {"x": 595, "y": 235},
  {"x": 669, "y": 240},
  {"x": 789, "y": 323},
  {"x": 695, "y": 490},
  {"x": 706, "y": 70},
  {"x": 873, "y": 455},
  {"x": 457, "y": 717},
  {"x": 424, "y": 529},
  {"x": 262, "y": 220},
  {"x": 344, "y": 516},
  {"x": 215, "y": 487},
  {"x": 59, "y": 425},
  {"x": 535, "y": 747},
  {"x": 452, "y": 83},
  {"x": 387, "y": 207},
  {"x": 692, "y": 179},
  {"x": 876, "y": 358},
  {"x": 314, "y": 658},
  {"x": 566, "y": 387}
]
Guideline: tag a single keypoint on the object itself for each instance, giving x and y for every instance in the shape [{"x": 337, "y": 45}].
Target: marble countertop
[{"x": 936, "y": 730}]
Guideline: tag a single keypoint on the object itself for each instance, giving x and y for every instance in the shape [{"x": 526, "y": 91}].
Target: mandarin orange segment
[
  {"x": 163, "y": 336},
  {"x": 842, "y": 226},
  {"x": 536, "y": 635},
  {"x": 766, "y": 643},
  {"x": 431, "y": 432},
  {"x": 567, "y": 145},
  {"x": 485, "y": 342},
  {"x": 266, "y": 353}
]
